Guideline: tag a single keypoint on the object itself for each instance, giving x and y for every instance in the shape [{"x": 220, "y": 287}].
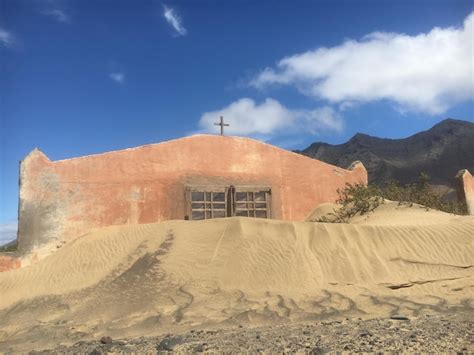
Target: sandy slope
[
  {"x": 391, "y": 213},
  {"x": 171, "y": 276}
]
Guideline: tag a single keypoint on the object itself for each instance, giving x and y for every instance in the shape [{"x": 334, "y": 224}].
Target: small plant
[
  {"x": 355, "y": 199},
  {"x": 360, "y": 199},
  {"x": 421, "y": 193},
  {"x": 10, "y": 247}
]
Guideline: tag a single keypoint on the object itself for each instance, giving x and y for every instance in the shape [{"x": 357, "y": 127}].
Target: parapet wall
[
  {"x": 466, "y": 189},
  {"x": 62, "y": 200}
]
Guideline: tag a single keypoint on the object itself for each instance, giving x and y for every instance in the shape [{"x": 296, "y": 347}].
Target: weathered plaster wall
[
  {"x": 62, "y": 200},
  {"x": 466, "y": 189},
  {"x": 9, "y": 263}
]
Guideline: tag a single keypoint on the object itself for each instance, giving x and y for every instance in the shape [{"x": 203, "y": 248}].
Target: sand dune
[
  {"x": 391, "y": 213},
  {"x": 175, "y": 275}
]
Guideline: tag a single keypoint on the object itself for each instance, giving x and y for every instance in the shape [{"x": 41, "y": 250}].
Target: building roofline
[
  {"x": 213, "y": 136},
  {"x": 35, "y": 151}
]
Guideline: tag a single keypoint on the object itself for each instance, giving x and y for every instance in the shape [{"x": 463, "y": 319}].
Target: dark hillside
[{"x": 440, "y": 152}]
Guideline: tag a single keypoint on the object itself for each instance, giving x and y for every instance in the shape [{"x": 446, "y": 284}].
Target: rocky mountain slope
[{"x": 440, "y": 152}]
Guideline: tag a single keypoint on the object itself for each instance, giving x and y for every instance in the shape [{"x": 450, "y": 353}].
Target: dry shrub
[
  {"x": 421, "y": 194},
  {"x": 360, "y": 199},
  {"x": 355, "y": 199}
]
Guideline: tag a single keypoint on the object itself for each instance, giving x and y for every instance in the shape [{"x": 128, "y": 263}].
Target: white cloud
[
  {"x": 247, "y": 118},
  {"x": 428, "y": 72},
  {"x": 174, "y": 20},
  {"x": 8, "y": 232},
  {"x": 6, "y": 38},
  {"x": 58, "y": 15},
  {"x": 118, "y": 77}
]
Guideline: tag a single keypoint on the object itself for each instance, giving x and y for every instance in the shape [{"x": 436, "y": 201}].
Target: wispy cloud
[
  {"x": 6, "y": 38},
  {"x": 8, "y": 232},
  {"x": 270, "y": 119},
  {"x": 429, "y": 72},
  {"x": 118, "y": 77},
  {"x": 174, "y": 20},
  {"x": 58, "y": 15}
]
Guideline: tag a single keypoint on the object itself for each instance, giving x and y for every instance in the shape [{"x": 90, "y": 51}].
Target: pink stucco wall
[
  {"x": 466, "y": 189},
  {"x": 9, "y": 263},
  {"x": 61, "y": 200}
]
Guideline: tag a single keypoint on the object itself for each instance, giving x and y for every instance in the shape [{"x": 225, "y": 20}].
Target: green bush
[
  {"x": 8, "y": 248},
  {"x": 360, "y": 199},
  {"x": 355, "y": 199},
  {"x": 421, "y": 193}
]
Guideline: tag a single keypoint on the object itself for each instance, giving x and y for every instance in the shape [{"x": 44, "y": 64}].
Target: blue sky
[{"x": 83, "y": 77}]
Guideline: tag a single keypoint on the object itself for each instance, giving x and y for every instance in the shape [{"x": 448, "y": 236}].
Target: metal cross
[{"x": 222, "y": 124}]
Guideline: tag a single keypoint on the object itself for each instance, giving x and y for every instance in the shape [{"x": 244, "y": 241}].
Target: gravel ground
[{"x": 438, "y": 333}]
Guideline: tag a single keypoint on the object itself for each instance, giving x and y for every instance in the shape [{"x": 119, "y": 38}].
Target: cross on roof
[{"x": 222, "y": 124}]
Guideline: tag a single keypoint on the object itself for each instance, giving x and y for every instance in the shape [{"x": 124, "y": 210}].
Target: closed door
[{"x": 206, "y": 202}]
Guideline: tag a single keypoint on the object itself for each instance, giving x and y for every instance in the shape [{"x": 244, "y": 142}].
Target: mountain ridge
[{"x": 440, "y": 151}]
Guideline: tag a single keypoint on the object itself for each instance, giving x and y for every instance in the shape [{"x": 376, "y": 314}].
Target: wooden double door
[{"x": 206, "y": 202}]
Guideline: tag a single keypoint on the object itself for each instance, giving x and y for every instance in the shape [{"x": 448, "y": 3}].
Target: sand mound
[
  {"x": 171, "y": 276},
  {"x": 323, "y": 210},
  {"x": 391, "y": 213}
]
